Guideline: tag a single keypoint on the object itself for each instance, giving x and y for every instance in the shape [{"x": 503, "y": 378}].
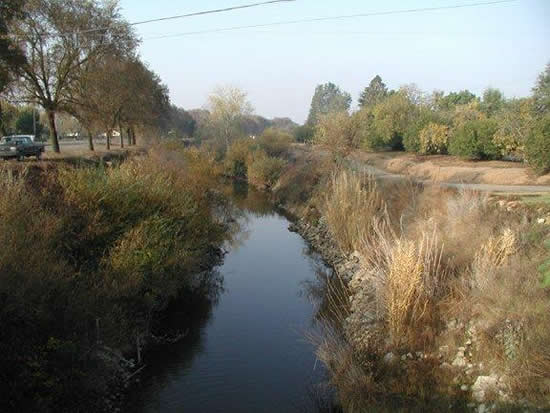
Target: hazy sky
[{"x": 504, "y": 45}]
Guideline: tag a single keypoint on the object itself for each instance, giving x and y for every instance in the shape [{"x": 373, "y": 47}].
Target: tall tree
[
  {"x": 374, "y": 93},
  {"x": 228, "y": 107},
  {"x": 541, "y": 92},
  {"x": 11, "y": 55},
  {"x": 328, "y": 98},
  {"x": 59, "y": 38}
]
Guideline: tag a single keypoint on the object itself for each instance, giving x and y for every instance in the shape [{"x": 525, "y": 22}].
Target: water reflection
[{"x": 246, "y": 350}]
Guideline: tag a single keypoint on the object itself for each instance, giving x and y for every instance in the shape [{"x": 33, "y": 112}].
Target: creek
[{"x": 247, "y": 349}]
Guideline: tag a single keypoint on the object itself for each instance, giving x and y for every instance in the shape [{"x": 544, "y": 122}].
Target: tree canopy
[
  {"x": 374, "y": 93},
  {"x": 328, "y": 98}
]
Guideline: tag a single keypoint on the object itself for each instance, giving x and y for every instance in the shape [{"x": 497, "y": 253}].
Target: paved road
[{"x": 507, "y": 189}]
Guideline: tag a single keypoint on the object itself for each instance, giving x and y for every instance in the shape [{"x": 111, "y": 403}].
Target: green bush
[
  {"x": 474, "y": 140},
  {"x": 275, "y": 142},
  {"x": 304, "y": 134},
  {"x": 265, "y": 170},
  {"x": 537, "y": 146}
]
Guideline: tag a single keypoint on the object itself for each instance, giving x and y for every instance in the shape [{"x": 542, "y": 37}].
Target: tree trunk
[
  {"x": 109, "y": 133},
  {"x": 133, "y": 136},
  {"x": 53, "y": 131},
  {"x": 120, "y": 130},
  {"x": 90, "y": 139},
  {"x": 128, "y": 136}
]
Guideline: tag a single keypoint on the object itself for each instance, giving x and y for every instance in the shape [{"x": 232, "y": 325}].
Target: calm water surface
[{"x": 248, "y": 353}]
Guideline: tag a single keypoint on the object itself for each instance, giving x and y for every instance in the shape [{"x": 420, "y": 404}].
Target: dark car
[{"x": 19, "y": 147}]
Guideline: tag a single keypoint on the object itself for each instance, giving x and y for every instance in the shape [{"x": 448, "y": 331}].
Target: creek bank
[{"x": 477, "y": 388}]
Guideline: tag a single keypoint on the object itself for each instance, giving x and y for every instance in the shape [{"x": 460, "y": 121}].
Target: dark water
[{"x": 248, "y": 351}]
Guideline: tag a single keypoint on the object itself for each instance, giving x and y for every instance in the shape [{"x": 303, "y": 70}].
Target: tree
[
  {"x": 374, "y": 93},
  {"x": 453, "y": 99},
  {"x": 492, "y": 101},
  {"x": 537, "y": 145},
  {"x": 337, "y": 133},
  {"x": 392, "y": 117},
  {"x": 26, "y": 121},
  {"x": 474, "y": 140},
  {"x": 116, "y": 91},
  {"x": 181, "y": 123},
  {"x": 541, "y": 92},
  {"x": 228, "y": 107},
  {"x": 515, "y": 122},
  {"x": 328, "y": 98},
  {"x": 59, "y": 39},
  {"x": 11, "y": 55}
]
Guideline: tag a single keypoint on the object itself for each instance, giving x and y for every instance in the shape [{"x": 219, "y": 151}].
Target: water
[{"x": 248, "y": 351}]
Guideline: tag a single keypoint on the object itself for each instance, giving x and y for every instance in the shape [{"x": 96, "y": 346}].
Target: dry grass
[
  {"x": 429, "y": 256},
  {"x": 350, "y": 206}
]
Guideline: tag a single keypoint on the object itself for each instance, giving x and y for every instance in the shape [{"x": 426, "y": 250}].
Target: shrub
[
  {"x": 236, "y": 158},
  {"x": 474, "y": 140},
  {"x": 537, "y": 147},
  {"x": 264, "y": 170},
  {"x": 433, "y": 139},
  {"x": 304, "y": 134},
  {"x": 275, "y": 142},
  {"x": 337, "y": 133}
]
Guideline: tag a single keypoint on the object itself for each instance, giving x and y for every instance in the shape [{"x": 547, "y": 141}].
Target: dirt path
[{"x": 361, "y": 166}]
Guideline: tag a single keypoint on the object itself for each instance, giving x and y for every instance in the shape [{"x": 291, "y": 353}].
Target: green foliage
[
  {"x": 304, "y": 133},
  {"x": 374, "y": 93},
  {"x": 541, "y": 92},
  {"x": 113, "y": 244},
  {"x": 392, "y": 118},
  {"x": 433, "y": 139},
  {"x": 411, "y": 137},
  {"x": 275, "y": 142},
  {"x": 515, "y": 121},
  {"x": 474, "y": 140},
  {"x": 236, "y": 158},
  {"x": 25, "y": 123},
  {"x": 337, "y": 132},
  {"x": 264, "y": 170},
  {"x": 454, "y": 99},
  {"x": 328, "y": 98},
  {"x": 537, "y": 146},
  {"x": 492, "y": 102}
]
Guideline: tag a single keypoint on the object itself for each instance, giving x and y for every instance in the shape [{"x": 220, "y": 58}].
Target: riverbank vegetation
[
  {"x": 91, "y": 256},
  {"x": 439, "y": 298}
]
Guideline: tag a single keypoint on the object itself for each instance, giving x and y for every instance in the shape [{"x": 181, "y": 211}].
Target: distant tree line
[{"x": 473, "y": 127}]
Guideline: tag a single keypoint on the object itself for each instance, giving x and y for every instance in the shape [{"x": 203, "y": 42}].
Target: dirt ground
[{"x": 442, "y": 168}]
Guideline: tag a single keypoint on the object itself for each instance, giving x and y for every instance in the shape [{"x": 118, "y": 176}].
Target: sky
[{"x": 502, "y": 45}]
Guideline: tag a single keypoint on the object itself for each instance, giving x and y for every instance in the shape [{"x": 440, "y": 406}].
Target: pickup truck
[{"x": 19, "y": 148}]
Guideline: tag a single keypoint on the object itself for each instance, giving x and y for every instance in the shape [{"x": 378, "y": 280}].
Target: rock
[
  {"x": 541, "y": 221},
  {"x": 459, "y": 360},
  {"x": 410, "y": 356},
  {"x": 389, "y": 358},
  {"x": 464, "y": 387},
  {"x": 469, "y": 342},
  {"x": 404, "y": 357},
  {"x": 483, "y": 386}
]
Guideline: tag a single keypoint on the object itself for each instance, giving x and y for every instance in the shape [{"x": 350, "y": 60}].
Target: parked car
[{"x": 19, "y": 147}]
